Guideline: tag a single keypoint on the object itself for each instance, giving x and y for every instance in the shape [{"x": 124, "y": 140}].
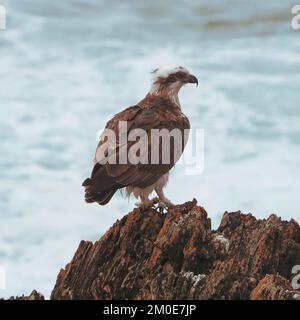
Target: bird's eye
[{"x": 180, "y": 75}]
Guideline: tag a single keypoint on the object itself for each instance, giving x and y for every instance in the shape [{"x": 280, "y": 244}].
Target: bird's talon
[
  {"x": 147, "y": 205},
  {"x": 162, "y": 207}
]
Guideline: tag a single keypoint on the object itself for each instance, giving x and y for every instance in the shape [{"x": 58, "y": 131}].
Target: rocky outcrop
[
  {"x": 34, "y": 295},
  {"x": 148, "y": 255},
  {"x": 274, "y": 287}
]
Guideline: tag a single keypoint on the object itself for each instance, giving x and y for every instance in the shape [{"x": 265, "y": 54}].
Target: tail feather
[
  {"x": 105, "y": 197},
  {"x": 102, "y": 197},
  {"x": 100, "y": 187},
  {"x": 86, "y": 182}
]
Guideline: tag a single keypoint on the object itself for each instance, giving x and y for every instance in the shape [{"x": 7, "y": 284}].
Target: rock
[
  {"x": 274, "y": 287},
  {"x": 148, "y": 255},
  {"x": 34, "y": 295}
]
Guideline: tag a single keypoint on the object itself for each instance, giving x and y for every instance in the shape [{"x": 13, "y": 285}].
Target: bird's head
[{"x": 169, "y": 79}]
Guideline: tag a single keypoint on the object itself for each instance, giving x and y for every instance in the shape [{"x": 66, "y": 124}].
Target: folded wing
[{"x": 107, "y": 178}]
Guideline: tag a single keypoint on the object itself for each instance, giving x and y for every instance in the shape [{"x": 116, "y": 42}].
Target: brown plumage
[{"x": 160, "y": 109}]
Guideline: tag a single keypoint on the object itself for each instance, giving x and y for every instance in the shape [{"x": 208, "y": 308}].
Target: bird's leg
[
  {"x": 154, "y": 201},
  {"x": 146, "y": 202},
  {"x": 163, "y": 202}
]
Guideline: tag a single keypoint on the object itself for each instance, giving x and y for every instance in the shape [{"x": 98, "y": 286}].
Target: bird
[{"x": 160, "y": 109}]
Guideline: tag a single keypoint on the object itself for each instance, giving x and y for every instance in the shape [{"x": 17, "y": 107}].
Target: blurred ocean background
[{"x": 67, "y": 66}]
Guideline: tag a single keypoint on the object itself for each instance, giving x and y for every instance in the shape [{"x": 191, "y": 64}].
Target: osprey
[{"x": 159, "y": 110}]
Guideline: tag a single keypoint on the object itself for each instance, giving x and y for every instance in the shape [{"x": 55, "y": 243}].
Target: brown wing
[{"x": 107, "y": 178}]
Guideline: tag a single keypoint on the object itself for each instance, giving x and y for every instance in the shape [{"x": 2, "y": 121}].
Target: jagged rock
[
  {"x": 274, "y": 287},
  {"x": 147, "y": 255},
  {"x": 34, "y": 295}
]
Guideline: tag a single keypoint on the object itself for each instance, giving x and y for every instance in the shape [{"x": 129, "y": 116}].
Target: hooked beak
[{"x": 192, "y": 79}]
